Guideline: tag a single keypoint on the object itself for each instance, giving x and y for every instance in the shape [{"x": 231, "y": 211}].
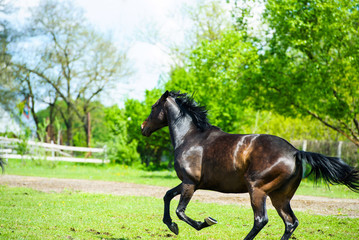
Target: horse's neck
[{"x": 178, "y": 127}]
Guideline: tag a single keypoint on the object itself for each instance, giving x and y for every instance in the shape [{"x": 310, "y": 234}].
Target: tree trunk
[
  {"x": 36, "y": 120},
  {"x": 32, "y": 107},
  {"x": 88, "y": 129},
  {"x": 69, "y": 140}
]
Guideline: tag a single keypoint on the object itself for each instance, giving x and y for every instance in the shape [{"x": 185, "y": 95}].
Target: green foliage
[
  {"x": 22, "y": 147},
  {"x": 70, "y": 61},
  {"x": 100, "y": 129},
  {"x": 155, "y": 148},
  {"x": 306, "y": 70},
  {"x": 217, "y": 73},
  {"x": 41, "y": 128},
  {"x": 109, "y": 126},
  {"x": 220, "y": 73},
  {"x": 311, "y": 64},
  {"x": 121, "y": 149},
  {"x": 290, "y": 128}
]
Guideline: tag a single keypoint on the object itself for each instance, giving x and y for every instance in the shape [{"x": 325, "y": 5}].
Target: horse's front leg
[
  {"x": 186, "y": 195},
  {"x": 166, "y": 215}
]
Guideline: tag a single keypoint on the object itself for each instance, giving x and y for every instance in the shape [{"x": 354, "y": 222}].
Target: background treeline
[{"x": 293, "y": 74}]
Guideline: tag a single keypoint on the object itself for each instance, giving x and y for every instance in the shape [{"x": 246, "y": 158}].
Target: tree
[
  {"x": 208, "y": 21},
  {"x": 311, "y": 65},
  {"x": 217, "y": 74},
  {"x": 71, "y": 61},
  {"x": 121, "y": 148},
  {"x": 100, "y": 131},
  {"x": 7, "y": 85}
]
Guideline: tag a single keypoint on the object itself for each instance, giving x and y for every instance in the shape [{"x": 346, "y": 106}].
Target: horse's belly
[{"x": 230, "y": 182}]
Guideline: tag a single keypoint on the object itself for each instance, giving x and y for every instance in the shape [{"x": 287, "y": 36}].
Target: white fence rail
[{"x": 10, "y": 143}]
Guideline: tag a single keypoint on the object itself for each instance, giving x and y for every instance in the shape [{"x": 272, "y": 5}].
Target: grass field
[
  {"x": 29, "y": 214},
  {"x": 136, "y": 175}
]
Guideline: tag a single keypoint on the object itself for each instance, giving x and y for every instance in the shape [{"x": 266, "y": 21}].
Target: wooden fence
[{"x": 47, "y": 151}]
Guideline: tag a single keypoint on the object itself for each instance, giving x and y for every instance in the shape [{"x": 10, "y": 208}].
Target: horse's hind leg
[
  {"x": 258, "y": 202},
  {"x": 166, "y": 215},
  {"x": 186, "y": 195},
  {"x": 281, "y": 201},
  {"x": 286, "y": 213}
]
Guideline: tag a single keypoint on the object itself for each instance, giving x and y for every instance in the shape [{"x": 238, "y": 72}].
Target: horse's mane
[{"x": 189, "y": 106}]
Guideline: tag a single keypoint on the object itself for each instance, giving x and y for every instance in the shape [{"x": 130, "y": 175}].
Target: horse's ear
[{"x": 165, "y": 95}]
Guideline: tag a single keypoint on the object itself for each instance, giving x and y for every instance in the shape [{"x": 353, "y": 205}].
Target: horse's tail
[{"x": 333, "y": 170}]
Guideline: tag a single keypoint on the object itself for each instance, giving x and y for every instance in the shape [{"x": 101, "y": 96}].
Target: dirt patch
[{"x": 313, "y": 205}]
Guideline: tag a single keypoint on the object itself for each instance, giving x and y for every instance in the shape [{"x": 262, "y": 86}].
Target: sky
[
  {"x": 131, "y": 24},
  {"x": 125, "y": 20}
]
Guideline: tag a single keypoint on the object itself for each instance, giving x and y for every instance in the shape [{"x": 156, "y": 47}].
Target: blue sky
[
  {"x": 125, "y": 20},
  {"x": 128, "y": 22}
]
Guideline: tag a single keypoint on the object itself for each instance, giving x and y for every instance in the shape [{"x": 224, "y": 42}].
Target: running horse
[{"x": 262, "y": 165}]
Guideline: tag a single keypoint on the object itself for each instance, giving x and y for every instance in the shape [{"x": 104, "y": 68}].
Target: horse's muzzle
[{"x": 145, "y": 130}]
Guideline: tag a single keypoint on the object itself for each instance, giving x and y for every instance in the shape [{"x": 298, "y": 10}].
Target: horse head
[{"x": 157, "y": 118}]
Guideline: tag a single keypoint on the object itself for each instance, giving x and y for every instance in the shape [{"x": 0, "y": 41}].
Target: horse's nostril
[{"x": 144, "y": 129}]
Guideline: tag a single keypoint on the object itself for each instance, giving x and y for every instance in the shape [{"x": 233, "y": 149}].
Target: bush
[{"x": 123, "y": 152}]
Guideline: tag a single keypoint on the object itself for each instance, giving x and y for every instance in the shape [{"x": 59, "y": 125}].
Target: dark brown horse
[{"x": 262, "y": 165}]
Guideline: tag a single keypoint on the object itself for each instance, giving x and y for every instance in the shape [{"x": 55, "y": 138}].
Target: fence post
[
  {"x": 6, "y": 159},
  {"x": 52, "y": 150},
  {"x": 304, "y": 148},
  {"x": 339, "y": 151},
  {"x": 105, "y": 151}
]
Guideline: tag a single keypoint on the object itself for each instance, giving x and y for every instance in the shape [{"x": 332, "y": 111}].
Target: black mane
[{"x": 189, "y": 106}]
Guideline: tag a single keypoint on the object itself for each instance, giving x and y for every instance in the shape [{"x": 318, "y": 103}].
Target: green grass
[
  {"x": 118, "y": 173},
  {"x": 29, "y": 214},
  {"x": 137, "y": 175}
]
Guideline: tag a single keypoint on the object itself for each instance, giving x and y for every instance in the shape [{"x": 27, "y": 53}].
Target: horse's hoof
[
  {"x": 210, "y": 221},
  {"x": 174, "y": 228}
]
